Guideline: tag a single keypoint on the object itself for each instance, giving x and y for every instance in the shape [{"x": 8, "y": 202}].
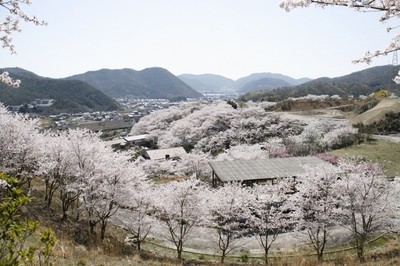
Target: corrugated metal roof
[
  {"x": 161, "y": 153},
  {"x": 263, "y": 169}
]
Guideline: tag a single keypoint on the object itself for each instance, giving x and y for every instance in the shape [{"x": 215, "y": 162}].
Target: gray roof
[
  {"x": 136, "y": 138},
  {"x": 263, "y": 169}
]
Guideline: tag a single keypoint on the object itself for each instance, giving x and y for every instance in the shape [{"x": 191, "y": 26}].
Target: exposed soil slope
[{"x": 378, "y": 112}]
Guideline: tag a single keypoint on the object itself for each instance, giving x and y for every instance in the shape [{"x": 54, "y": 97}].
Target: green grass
[{"x": 385, "y": 153}]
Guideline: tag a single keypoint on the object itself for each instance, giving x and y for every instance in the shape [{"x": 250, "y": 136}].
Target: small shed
[
  {"x": 136, "y": 140},
  {"x": 261, "y": 170},
  {"x": 165, "y": 154}
]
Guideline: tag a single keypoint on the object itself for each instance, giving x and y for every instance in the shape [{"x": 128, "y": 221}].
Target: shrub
[{"x": 15, "y": 231}]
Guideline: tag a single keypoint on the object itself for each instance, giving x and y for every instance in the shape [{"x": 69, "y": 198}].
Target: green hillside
[
  {"x": 358, "y": 83},
  {"x": 147, "y": 83},
  {"x": 70, "y": 95}
]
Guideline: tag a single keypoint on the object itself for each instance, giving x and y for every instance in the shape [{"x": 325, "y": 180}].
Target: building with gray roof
[{"x": 261, "y": 170}]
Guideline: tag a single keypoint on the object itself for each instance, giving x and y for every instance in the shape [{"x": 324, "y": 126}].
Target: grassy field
[{"x": 385, "y": 153}]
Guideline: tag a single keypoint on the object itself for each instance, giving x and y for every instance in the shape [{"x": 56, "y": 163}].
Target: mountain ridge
[
  {"x": 220, "y": 84},
  {"x": 258, "y": 76},
  {"x": 70, "y": 95},
  {"x": 358, "y": 83},
  {"x": 154, "y": 82},
  {"x": 208, "y": 82}
]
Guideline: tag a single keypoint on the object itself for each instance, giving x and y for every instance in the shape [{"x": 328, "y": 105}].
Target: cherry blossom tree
[
  {"x": 269, "y": 216},
  {"x": 180, "y": 206},
  {"x": 154, "y": 168},
  {"x": 20, "y": 144},
  {"x": 229, "y": 212},
  {"x": 106, "y": 188},
  {"x": 10, "y": 24},
  {"x": 315, "y": 204},
  {"x": 366, "y": 201},
  {"x": 243, "y": 152},
  {"x": 319, "y": 136},
  {"x": 208, "y": 120},
  {"x": 55, "y": 164},
  {"x": 98, "y": 177},
  {"x": 68, "y": 160},
  {"x": 159, "y": 121},
  {"x": 83, "y": 150},
  {"x": 213, "y": 128},
  {"x": 275, "y": 148},
  {"x": 195, "y": 165},
  {"x": 390, "y": 10},
  {"x": 138, "y": 209},
  {"x": 87, "y": 174},
  {"x": 6, "y": 79}
]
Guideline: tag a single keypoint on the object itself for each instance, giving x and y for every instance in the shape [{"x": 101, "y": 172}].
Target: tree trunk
[
  {"x": 103, "y": 229},
  {"x": 223, "y": 256},
  {"x": 266, "y": 258},
  {"x": 92, "y": 225},
  {"x": 179, "y": 249},
  {"x": 360, "y": 251},
  {"x": 321, "y": 246},
  {"x": 223, "y": 245},
  {"x": 320, "y": 256},
  {"x": 266, "y": 249}
]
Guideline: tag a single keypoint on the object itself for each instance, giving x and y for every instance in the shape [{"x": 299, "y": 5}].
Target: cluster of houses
[
  {"x": 33, "y": 104},
  {"x": 145, "y": 105}
]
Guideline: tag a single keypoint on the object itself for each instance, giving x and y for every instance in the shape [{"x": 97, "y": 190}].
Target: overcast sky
[{"x": 233, "y": 38}]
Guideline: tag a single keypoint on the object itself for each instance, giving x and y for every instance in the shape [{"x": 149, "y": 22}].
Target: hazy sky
[{"x": 233, "y": 38}]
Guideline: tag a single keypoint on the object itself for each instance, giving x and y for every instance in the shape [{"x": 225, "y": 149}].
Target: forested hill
[
  {"x": 358, "y": 83},
  {"x": 263, "y": 84},
  {"x": 208, "y": 82},
  {"x": 148, "y": 83},
  {"x": 70, "y": 95},
  {"x": 266, "y": 78},
  {"x": 256, "y": 81}
]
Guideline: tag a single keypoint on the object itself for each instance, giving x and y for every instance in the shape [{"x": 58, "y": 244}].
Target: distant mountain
[
  {"x": 258, "y": 81},
  {"x": 70, "y": 95},
  {"x": 358, "y": 83},
  {"x": 148, "y": 83},
  {"x": 21, "y": 72},
  {"x": 208, "y": 83},
  {"x": 258, "y": 76},
  {"x": 263, "y": 84}
]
